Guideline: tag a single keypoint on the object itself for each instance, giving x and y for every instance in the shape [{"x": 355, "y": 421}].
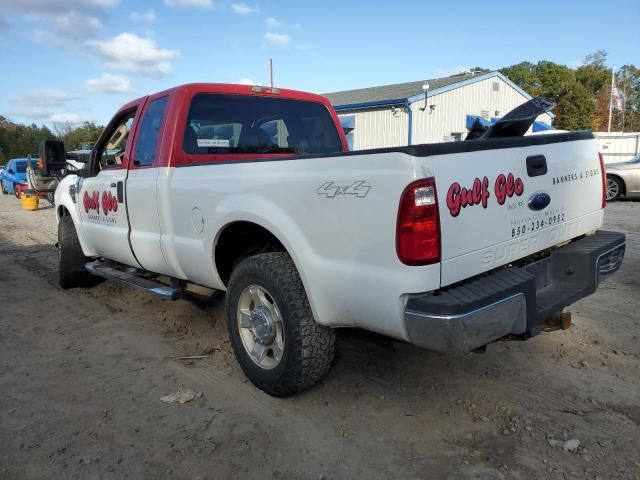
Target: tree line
[
  {"x": 582, "y": 94},
  {"x": 18, "y": 141}
]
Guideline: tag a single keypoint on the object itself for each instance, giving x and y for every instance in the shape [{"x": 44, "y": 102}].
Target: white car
[{"x": 251, "y": 190}]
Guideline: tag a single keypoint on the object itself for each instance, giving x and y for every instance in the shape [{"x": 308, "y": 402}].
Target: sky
[{"x": 80, "y": 60}]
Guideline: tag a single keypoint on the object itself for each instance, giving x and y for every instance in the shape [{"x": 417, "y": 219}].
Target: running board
[{"x": 131, "y": 278}]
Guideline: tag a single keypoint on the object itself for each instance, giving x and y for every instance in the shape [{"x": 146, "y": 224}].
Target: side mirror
[
  {"x": 54, "y": 163},
  {"x": 11, "y": 171}
]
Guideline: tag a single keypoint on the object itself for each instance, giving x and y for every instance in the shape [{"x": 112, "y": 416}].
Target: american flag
[{"x": 615, "y": 95}]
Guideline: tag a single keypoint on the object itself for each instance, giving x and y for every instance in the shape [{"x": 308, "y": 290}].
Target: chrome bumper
[{"x": 512, "y": 300}]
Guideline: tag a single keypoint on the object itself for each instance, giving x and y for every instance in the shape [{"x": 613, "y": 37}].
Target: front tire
[
  {"x": 71, "y": 260},
  {"x": 614, "y": 188},
  {"x": 4, "y": 190},
  {"x": 277, "y": 342}
]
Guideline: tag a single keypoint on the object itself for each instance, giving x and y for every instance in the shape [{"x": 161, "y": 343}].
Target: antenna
[{"x": 271, "y": 72}]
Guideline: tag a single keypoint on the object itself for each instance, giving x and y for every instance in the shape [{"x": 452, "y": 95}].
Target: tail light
[
  {"x": 418, "y": 230},
  {"x": 603, "y": 174}
]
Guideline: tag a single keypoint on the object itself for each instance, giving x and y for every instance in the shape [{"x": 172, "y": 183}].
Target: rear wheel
[
  {"x": 278, "y": 343},
  {"x": 16, "y": 192},
  {"x": 71, "y": 260},
  {"x": 614, "y": 188}
]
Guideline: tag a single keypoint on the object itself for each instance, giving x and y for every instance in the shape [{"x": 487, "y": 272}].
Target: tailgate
[{"x": 499, "y": 205}]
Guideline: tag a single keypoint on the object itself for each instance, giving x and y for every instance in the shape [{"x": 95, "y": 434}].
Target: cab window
[
  {"x": 111, "y": 154},
  {"x": 228, "y": 124},
  {"x": 144, "y": 152}
]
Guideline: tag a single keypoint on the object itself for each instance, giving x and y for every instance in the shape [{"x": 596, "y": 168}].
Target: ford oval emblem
[{"x": 539, "y": 201}]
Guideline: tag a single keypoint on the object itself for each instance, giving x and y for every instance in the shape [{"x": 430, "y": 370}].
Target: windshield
[{"x": 249, "y": 124}]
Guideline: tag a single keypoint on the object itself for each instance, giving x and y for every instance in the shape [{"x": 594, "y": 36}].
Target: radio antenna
[{"x": 271, "y": 72}]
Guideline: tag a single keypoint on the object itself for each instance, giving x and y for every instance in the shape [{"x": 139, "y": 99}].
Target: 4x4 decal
[{"x": 341, "y": 189}]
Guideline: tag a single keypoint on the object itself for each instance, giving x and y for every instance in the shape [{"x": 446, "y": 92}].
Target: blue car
[{"x": 14, "y": 173}]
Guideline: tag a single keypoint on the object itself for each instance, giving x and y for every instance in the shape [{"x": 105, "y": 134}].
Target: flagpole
[
  {"x": 624, "y": 103},
  {"x": 611, "y": 98}
]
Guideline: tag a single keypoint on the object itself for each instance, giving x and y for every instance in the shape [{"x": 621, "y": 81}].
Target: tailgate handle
[{"x": 536, "y": 165}]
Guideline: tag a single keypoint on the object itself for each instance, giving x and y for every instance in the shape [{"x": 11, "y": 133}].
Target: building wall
[
  {"x": 384, "y": 128},
  {"x": 379, "y": 128},
  {"x": 452, "y": 108},
  {"x": 618, "y": 147}
]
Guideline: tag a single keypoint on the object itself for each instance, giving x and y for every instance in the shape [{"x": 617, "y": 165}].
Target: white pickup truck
[{"x": 252, "y": 191}]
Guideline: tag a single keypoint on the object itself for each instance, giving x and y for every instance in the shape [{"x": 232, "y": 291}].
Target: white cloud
[
  {"x": 274, "y": 22},
  {"x": 45, "y": 97},
  {"x": 189, "y": 3},
  {"x": 45, "y": 104},
  {"x": 63, "y": 22},
  {"x": 144, "y": 17},
  {"x": 31, "y": 6},
  {"x": 244, "y": 9},
  {"x": 65, "y": 28},
  {"x": 247, "y": 81},
  {"x": 110, "y": 84},
  {"x": 130, "y": 53},
  {"x": 277, "y": 40},
  {"x": 64, "y": 117}
]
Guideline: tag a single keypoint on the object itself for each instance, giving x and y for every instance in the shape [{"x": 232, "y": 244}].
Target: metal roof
[{"x": 396, "y": 92}]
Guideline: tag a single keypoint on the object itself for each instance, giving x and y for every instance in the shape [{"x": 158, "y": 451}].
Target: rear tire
[
  {"x": 71, "y": 260},
  {"x": 16, "y": 192},
  {"x": 301, "y": 350},
  {"x": 614, "y": 188}
]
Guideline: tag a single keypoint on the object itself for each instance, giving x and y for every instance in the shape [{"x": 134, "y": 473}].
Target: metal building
[
  {"x": 431, "y": 111},
  {"x": 618, "y": 146}
]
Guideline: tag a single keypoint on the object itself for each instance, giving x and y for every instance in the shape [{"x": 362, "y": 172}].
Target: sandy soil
[{"x": 82, "y": 373}]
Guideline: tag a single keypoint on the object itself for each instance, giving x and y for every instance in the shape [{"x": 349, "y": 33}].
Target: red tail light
[
  {"x": 603, "y": 174},
  {"x": 418, "y": 231}
]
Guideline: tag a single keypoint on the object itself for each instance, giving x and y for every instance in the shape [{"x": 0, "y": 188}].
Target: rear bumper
[{"x": 513, "y": 300}]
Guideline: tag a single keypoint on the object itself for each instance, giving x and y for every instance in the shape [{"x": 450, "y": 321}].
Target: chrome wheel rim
[
  {"x": 612, "y": 189},
  {"x": 260, "y": 326}
]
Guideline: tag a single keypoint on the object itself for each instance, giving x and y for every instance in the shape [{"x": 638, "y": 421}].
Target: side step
[{"x": 131, "y": 278}]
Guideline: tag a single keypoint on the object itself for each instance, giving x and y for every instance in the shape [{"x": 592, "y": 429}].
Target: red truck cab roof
[{"x": 170, "y": 148}]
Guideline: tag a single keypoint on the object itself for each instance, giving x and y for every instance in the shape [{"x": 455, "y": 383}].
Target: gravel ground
[{"x": 82, "y": 373}]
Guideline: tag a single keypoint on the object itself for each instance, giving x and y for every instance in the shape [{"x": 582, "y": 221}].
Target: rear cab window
[{"x": 243, "y": 124}]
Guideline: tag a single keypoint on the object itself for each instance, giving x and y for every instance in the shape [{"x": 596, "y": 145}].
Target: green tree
[
  {"x": 17, "y": 140},
  {"x": 628, "y": 82},
  {"x": 574, "y": 103},
  {"x": 87, "y": 132},
  {"x": 20, "y": 140}
]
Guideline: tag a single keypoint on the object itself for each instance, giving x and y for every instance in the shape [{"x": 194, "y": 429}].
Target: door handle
[
  {"x": 536, "y": 165},
  {"x": 120, "y": 192},
  {"x": 113, "y": 185}
]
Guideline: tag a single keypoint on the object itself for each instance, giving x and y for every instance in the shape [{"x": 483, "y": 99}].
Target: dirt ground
[{"x": 82, "y": 373}]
